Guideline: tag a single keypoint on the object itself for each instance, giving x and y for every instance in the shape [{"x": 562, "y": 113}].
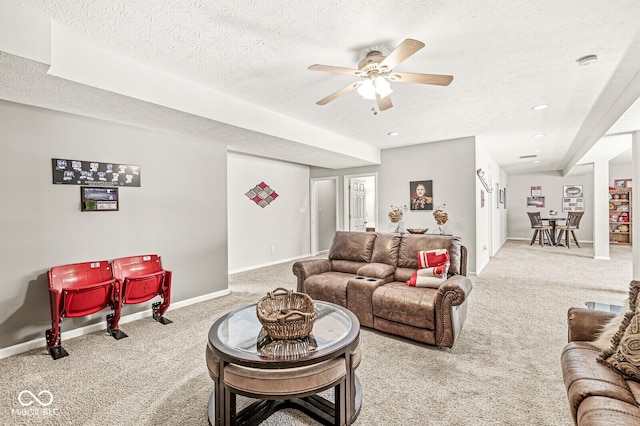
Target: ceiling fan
[{"x": 375, "y": 71}]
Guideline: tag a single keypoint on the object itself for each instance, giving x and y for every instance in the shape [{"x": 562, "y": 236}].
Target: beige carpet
[{"x": 503, "y": 370}]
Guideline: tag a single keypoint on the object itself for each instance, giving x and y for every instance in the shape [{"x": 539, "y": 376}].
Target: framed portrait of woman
[{"x": 421, "y": 197}]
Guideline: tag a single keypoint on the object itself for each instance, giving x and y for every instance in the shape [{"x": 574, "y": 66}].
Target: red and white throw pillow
[{"x": 433, "y": 268}]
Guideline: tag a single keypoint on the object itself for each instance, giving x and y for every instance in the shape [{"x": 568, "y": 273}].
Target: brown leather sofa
[
  {"x": 597, "y": 394},
  {"x": 367, "y": 273}
]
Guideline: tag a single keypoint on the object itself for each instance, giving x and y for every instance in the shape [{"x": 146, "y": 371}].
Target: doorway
[
  {"x": 361, "y": 202},
  {"x": 324, "y": 213}
]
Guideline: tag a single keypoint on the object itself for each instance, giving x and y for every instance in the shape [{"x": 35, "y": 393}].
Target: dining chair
[
  {"x": 573, "y": 223},
  {"x": 540, "y": 230}
]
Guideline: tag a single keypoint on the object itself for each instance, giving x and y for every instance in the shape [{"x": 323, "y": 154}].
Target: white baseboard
[
  {"x": 262, "y": 265},
  {"x": 92, "y": 328}
]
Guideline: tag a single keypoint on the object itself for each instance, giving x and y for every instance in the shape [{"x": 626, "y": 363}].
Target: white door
[{"x": 357, "y": 200}]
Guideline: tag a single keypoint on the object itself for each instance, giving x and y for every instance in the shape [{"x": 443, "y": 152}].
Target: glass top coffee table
[{"x": 238, "y": 338}]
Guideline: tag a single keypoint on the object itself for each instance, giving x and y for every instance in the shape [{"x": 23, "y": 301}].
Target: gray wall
[
  {"x": 449, "y": 164},
  {"x": 280, "y": 231},
  {"x": 179, "y": 212},
  {"x": 551, "y": 183}
]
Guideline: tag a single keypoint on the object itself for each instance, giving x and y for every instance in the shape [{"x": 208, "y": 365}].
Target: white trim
[
  {"x": 92, "y": 328},
  {"x": 262, "y": 265},
  {"x": 601, "y": 258}
]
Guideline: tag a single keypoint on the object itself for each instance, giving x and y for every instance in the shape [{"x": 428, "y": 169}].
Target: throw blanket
[{"x": 433, "y": 268}]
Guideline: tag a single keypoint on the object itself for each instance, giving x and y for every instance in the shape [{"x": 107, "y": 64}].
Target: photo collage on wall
[
  {"x": 572, "y": 198},
  {"x": 93, "y": 173}
]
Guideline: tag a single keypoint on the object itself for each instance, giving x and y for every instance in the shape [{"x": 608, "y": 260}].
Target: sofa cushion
[
  {"x": 411, "y": 244},
  {"x": 624, "y": 354},
  {"x": 329, "y": 286},
  {"x": 599, "y": 410},
  {"x": 385, "y": 249},
  {"x": 354, "y": 246},
  {"x": 404, "y": 274},
  {"x": 347, "y": 266},
  {"x": 407, "y": 305},
  {"x": 376, "y": 270}
]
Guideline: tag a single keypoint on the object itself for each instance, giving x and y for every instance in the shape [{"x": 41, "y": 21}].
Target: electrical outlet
[{"x": 273, "y": 249}]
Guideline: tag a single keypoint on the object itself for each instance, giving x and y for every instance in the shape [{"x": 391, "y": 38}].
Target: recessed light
[
  {"x": 585, "y": 61},
  {"x": 541, "y": 106},
  {"x": 536, "y": 161},
  {"x": 537, "y": 151},
  {"x": 393, "y": 134},
  {"x": 539, "y": 135}
]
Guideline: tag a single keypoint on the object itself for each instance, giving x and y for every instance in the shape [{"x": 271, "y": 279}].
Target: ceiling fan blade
[
  {"x": 400, "y": 53},
  {"x": 340, "y": 92},
  {"x": 383, "y": 103},
  {"x": 411, "y": 77},
  {"x": 337, "y": 70}
]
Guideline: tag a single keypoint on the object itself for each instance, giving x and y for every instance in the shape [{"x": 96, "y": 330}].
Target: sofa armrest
[
  {"x": 459, "y": 285},
  {"x": 305, "y": 268},
  {"x": 450, "y": 310},
  {"x": 585, "y": 324}
]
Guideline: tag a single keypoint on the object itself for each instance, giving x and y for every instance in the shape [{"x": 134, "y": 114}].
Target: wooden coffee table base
[{"x": 314, "y": 406}]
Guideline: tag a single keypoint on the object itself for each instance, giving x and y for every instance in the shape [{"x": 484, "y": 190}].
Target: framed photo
[
  {"x": 504, "y": 198},
  {"x": 98, "y": 199},
  {"x": 573, "y": 204},
  {"x": 535, "y": 202},
  {"x": 536, "y": 191},
  {"x": 421, "y": 195},
  {"x": 622, "y": 183},
  {"x": 498, "y": 196},
  {"x": 572, "y": 191},
  {"x": 482, "y": 198}
]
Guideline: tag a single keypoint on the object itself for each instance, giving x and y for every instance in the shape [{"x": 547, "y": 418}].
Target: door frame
[
  {"x": 347, "y": 200},
  {"x": 313, "y": 202}
]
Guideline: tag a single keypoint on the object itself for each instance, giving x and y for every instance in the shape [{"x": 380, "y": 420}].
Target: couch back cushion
[
  {"x": 353, "y": 246},
  {"x": 411, "y": 244},
  {"x": 385, "y": 249}
]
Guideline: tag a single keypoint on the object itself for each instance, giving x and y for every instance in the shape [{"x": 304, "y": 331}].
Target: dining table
[{"x": 553, "y": 222}]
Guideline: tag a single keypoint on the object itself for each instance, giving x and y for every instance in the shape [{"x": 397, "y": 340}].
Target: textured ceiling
[{"x": 505, "y": 56}]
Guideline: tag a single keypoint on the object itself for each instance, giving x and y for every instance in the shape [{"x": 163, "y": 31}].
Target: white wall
[
  {"x": 619, "y": 171},
  {"x": 176, "y": 212},
  {"x": 491, "y": 219},
  {"x": 281, "y": 231},
  {"x": 551, "y": 184}
]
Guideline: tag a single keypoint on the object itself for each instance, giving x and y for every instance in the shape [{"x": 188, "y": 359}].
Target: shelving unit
[{"x": 620, "y": 216}]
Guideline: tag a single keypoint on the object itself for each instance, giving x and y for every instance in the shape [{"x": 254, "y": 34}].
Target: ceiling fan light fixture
[
  {"x": 367, "y": 90},
  {"x": 383, "y": 88}
]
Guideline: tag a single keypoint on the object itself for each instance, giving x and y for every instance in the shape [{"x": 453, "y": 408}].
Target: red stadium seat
[
  {"x": 141, "y": 279},
  {"x": 79, "y": 290}
]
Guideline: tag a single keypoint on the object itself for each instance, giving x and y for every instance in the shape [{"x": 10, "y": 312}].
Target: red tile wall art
[{"x": 262, "y": 194}]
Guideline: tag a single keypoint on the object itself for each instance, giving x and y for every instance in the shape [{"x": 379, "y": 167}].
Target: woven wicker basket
[{"x": 286, "y": 315}]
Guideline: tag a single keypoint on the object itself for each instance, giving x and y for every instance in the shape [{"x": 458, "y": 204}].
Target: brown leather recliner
[
  {"x": 367, "y": 274},
  {"x": 597, "y": 394}
]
